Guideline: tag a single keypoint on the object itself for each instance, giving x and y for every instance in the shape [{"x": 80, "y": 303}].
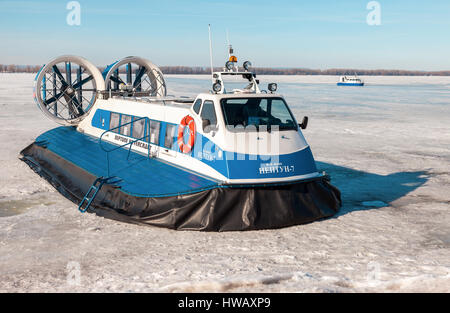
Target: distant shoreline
[{"x": 197, "y": 70}]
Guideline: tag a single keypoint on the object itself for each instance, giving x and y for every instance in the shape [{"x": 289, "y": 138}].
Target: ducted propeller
[{"x": 67, "y": 87}]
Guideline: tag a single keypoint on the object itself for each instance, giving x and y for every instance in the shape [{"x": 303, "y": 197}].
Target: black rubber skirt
[{"x": 222, "y": 208}]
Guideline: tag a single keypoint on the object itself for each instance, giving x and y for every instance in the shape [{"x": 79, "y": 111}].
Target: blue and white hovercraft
[
  {"x": 228, "y": 159},
  {"x": 350, "y": 81}
]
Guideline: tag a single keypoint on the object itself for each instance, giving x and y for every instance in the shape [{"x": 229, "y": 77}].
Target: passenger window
[
  {"x": 197, "y": 106},
  {"x": 138, "y": 127},
  {"x": 263, "y": 106},
  {"x": 154, "y": 132},
  {"x": 125, "y": 130},
  {"x": 282, "y": 113},
  {"x": 114, "y": 122},
  {"x": 170, "y": 133},
  {"x": 209, "y": 113}
]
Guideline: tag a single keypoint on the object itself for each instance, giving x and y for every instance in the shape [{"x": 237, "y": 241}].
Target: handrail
[{"x": 147, "y": 122}]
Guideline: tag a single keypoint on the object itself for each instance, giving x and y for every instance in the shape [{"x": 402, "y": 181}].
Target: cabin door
[
  {"x": 154, "y": 131},
  {"x": 168, "y": 140}
]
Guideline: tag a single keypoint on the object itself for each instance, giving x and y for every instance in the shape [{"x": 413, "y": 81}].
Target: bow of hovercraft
[{"x": 253, "y": 139}]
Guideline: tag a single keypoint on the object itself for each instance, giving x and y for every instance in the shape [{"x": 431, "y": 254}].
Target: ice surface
[{"x": 387, "y": 142}]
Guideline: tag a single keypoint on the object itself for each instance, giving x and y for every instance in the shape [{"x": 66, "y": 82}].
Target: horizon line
[{"x": 200, "y": 70}]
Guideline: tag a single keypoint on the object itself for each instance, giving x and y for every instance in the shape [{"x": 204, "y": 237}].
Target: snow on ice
[{"x": 386, "y": 146}]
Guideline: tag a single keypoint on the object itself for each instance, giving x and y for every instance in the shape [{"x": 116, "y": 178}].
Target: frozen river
[{"x": 386, "y": 146}]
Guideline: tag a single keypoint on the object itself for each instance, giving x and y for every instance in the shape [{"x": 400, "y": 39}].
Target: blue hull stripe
[
  {"x": 234, "y": 165},
  {"x": 350, "y": 84}
]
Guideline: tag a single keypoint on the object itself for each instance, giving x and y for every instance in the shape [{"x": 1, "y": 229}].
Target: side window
[
  {"x": 168, "y": 138},
  {"x": 197, "y": 106},
  {"x": 281, "y": 112},
  {"x": 155, "y": 127},
  {"x": 209, "y": 113},
  {"x": 114, "y": 121},
  {"x": 138, "y": 128},
  {"x": 263, "y": 106},
  {"x": 125, "y": 130}
]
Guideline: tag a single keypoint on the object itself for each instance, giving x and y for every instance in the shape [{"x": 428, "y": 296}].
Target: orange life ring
[{"x": 189, "y": 122}]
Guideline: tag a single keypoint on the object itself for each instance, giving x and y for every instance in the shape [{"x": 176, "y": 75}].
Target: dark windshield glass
[
  {"x": 258, "y": 112},
  {"x": 208, "y": 113}
]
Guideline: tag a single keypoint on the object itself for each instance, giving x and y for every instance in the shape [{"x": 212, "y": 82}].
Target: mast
[
  {"x": 230, "y": 48},
  {"x": 210, "y": 53}
]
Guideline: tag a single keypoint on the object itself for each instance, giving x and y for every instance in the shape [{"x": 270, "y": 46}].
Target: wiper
[{"x": 290, "y": 127}]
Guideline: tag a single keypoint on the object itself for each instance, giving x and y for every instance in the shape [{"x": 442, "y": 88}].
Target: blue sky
[{"x": 323, "y": 34}]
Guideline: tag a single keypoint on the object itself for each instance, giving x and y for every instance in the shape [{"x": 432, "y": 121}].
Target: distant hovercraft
[{"x": 350, "y": 81}]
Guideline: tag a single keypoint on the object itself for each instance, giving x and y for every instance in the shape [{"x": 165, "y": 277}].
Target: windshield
[{"x": 267, "y": 112}]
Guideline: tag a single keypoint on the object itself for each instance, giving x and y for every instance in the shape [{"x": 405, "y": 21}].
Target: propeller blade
[
  {"x": 70, "y": 105},
  {"x": 117, "y": 80},
  {"x": 116, "y": 75},
  {"x": 69, "y": 73},
  {"x": 54, "y": 93},
  {"x": 61, "y": 77},
  {"x": 129, "y": 73},
  {"x": 82, "y": 82},
  {"x": 137, "y": 81},
  {"x": 79, "y": 91},
  {"x": 53, "y": 99},
  {"x": 78, "y": 106}
]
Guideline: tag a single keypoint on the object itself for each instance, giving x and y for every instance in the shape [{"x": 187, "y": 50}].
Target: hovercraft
[
  {"x": 350, "y": 81},
  {"x": 228, "y": 159}
]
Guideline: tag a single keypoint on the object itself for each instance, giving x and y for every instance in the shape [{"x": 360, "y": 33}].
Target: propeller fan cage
[
  {"x": 135, "y": 76},
  {"x": 66, "y": 89}
]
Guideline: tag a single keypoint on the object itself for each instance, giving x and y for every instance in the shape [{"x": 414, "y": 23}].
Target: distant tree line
[
  {"x": 335, "y": 71},
  {"x": 197, "y": 70},
  {"x": 12, "y": 68}
]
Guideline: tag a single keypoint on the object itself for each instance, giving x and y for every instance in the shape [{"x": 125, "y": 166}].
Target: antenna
[
  {"x": 230, "y": 48},
  {"x": 210, "y": 52}
]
